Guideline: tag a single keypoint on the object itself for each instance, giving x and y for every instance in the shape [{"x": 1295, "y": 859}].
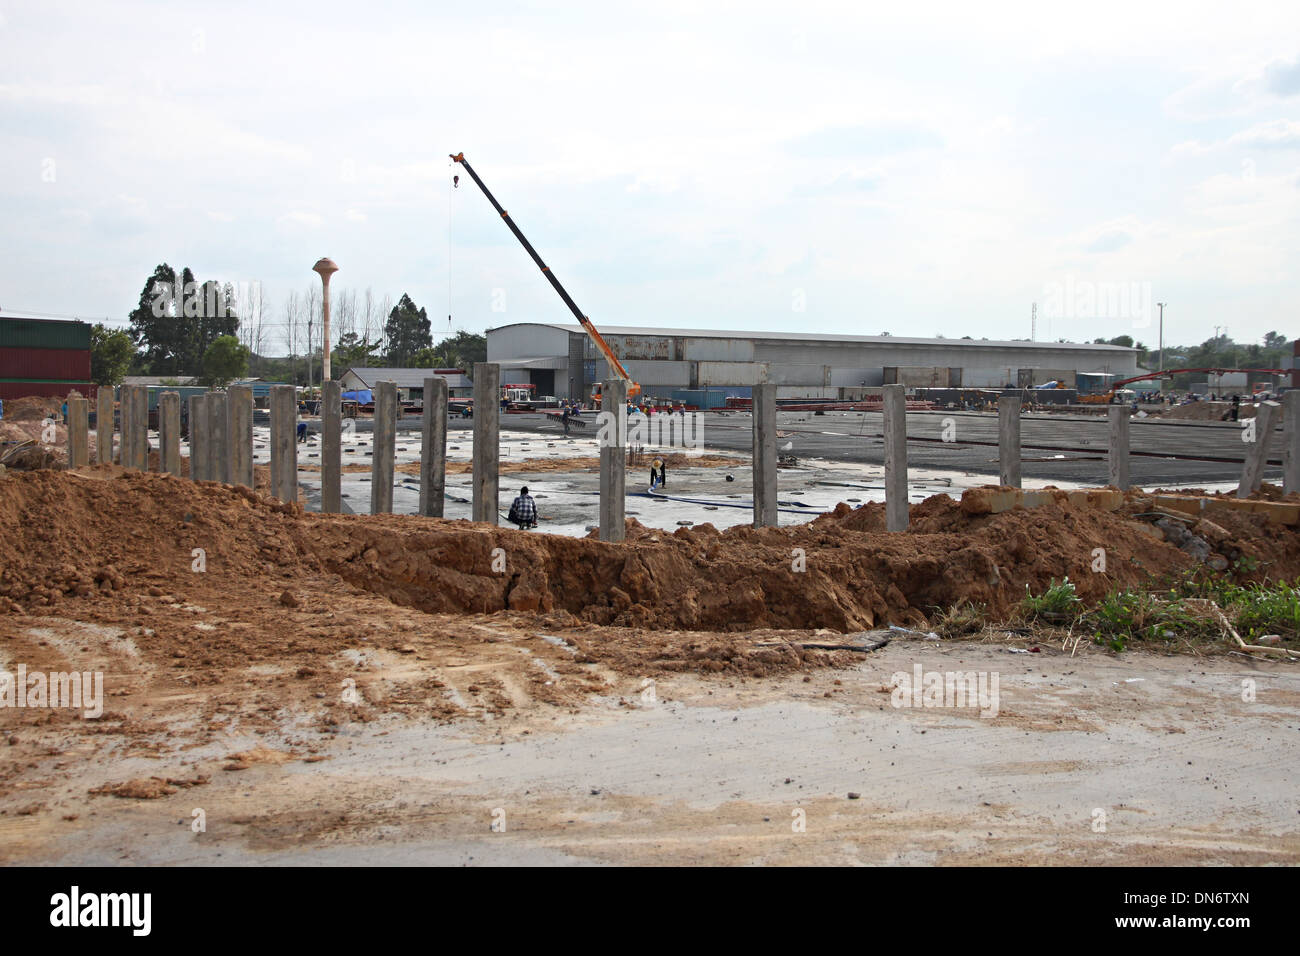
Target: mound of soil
[{"x": 99, "y": 532}]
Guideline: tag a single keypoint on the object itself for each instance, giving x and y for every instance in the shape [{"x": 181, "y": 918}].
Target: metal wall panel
[
  {"x": 53, "y": 365},
  {"x": 729, "y": 373},
  {"x": 43, "y": 334},
  {"x": 675, "y": 374},
  {"x": 718, "y": 350},
  {"x": 12, "y": 390}
]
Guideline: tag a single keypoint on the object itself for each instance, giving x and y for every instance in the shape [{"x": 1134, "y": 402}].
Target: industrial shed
[
  {"x": 705, "y": 365},
  {"x": 409, "y": 381}
]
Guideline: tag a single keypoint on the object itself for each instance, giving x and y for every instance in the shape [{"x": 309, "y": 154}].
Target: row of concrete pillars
[{"x": 221, "y": 445}]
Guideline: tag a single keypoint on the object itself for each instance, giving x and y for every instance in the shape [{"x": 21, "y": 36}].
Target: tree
[
  {"x": 406, "y": 331},
  {"x": 352, "y": 351},
  {"x": 224, "y": 361},
  {"x": 1275, "y": 340},
  {"x": 461, "y": 350},
  {"x": 111, "y": 354},
  {"x": 177, "y": 318}
]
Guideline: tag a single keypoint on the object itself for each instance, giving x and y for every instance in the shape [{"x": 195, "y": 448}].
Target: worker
[
  {"x": 658, "y": 476},
  {"x": 523, "y": 510},
  {"x": 564, "y": 419}
]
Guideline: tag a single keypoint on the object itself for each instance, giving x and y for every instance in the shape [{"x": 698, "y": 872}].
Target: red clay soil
[{"x": 103, "y": 533}]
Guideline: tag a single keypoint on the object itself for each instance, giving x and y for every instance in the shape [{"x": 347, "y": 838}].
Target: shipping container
[
  {"x": 43, "y": 334},
  {"x": 10, "y": 390},
  {"x": 53, "y": 365}
]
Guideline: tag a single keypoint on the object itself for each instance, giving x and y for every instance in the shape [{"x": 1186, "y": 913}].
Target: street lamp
[{"x": 326, "y": 268}]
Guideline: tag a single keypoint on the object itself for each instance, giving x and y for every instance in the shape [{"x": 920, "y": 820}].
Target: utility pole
[{"x": 1161, "y": 306}]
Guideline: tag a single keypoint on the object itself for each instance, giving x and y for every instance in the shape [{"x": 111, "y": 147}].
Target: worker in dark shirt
[
  {"x": 658, "y": 474},
  {"x": 523, "y": 510}
]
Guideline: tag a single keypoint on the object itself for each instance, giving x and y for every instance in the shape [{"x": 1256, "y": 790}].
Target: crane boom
[{"x": 596, "y": 337}]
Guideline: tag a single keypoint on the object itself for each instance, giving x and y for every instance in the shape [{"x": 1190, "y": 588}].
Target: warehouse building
[
  {"x": 703, "y": 367},
  {"x": 43, "y": 357}
]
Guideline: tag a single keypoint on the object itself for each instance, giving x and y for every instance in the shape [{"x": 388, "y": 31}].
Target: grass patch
[{"x": 1058, "y": 602}]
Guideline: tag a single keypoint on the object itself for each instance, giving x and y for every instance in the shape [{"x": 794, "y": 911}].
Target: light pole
[
  {"x": 1161, "y": 306},
  {"x": 326, "y": 268}
]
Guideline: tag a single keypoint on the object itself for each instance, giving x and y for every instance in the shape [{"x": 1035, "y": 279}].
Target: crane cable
[{"x": 455, "y": 181}]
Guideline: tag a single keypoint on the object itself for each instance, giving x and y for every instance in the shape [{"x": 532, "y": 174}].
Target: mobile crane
[
  {"x": 633, "y": 389},
  {"x": 1105, "y": 398}
]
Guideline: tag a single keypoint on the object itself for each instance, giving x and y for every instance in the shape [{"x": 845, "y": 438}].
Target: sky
[{"x": 912, "y": 169}]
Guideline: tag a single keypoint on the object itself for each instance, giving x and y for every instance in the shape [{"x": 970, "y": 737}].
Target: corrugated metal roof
[
  {"x": 409, "y": 377},
  {"x": 811, "y": 337},
  {"x": 159, "y": 379}
]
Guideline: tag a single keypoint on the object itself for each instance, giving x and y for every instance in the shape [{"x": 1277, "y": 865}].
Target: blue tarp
[{"x": 364, "y": 396}]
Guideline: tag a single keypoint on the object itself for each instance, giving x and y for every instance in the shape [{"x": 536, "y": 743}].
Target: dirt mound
[
  {"x": 105, "y": 531},
  {"x": 1206, "y": 412},
  {"x": 33, "y": 408}
]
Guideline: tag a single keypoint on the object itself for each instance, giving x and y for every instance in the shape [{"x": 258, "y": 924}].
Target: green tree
[
  {"x": 407, "y": 331},
  {"x": 461, "y": 350},
  {"x": 352, "y": 351},
  {"x": 177, "y": 318},
  {"x": 111, "y": 354},
  {"x": 224, "y": 361}
]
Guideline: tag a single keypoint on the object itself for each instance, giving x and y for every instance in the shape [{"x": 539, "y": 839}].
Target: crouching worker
[
  {"x": 523, "y": 510},
  {"x": 658, "y": 474}
]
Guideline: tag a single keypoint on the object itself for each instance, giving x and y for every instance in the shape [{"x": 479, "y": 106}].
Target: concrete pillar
[
  {"x": 385, "y": 444},
  {"x": 218, "y": 438},
  {"x": 487, "y": 441},
  {"x": 123, "y": 425},
  {"x": 135, "y": 427},
  {"x": 169, "y": 433},
  {"x": 765, "y": 506},
  {"x": 1009, "y": 440},
  {"x": 1119, "y": 446},
  {"x": 612, "y": 438},
  {"x": 284, "y": 443},
  {"x": 142, "y": 433},
  {"x": 1291, "y": 441},
  {"x": 433, "y": 447},
  {"x": 198, "y": 437},
  {"x": 239, "y": 417},
  {"x": 896, "y": 505},
  {"x": 78, "y": 432},
  {"x": 331, "y": 447},
  {"x": 1252, "y": 470},
  {"x": 104, "y": 425}
]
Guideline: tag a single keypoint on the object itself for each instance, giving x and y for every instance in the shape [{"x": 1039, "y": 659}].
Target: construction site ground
[{"x": 340, "y": 689}]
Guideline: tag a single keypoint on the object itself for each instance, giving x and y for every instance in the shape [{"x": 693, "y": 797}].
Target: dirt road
[{"x": 1090, "y": 759}]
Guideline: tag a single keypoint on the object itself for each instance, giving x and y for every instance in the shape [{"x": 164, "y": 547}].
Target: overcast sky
[{"x": 851, "y": 168}]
